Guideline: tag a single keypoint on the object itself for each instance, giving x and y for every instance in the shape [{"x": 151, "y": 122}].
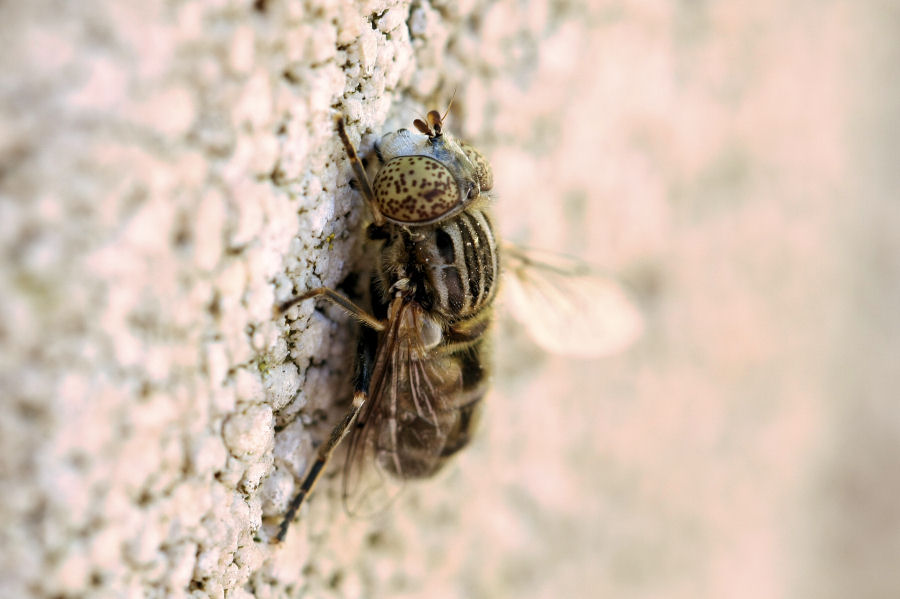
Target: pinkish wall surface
[{"x": 168, "y": 171}]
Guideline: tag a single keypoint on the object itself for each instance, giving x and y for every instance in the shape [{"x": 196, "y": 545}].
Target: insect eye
[
  {"x": 484, "y": 176},
  {"x": 416, "y": 189}
]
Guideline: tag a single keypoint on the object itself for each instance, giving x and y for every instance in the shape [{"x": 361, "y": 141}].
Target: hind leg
[{"x": 364, "y": 361}]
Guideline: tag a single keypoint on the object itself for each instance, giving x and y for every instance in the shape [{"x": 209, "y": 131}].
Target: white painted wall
[{"x": 169, "y": 170}]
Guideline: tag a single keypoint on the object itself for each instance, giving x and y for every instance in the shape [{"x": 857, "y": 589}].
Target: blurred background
[
  {"x": 164, "y": 167},
  {"x": 736, "y": 165}
]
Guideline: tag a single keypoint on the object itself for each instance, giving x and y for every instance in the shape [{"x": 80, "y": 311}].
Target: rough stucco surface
[{"x": 169, "y": 170}]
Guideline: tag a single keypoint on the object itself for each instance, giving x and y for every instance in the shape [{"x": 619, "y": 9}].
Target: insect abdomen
[{"x": 473, "y": 361}]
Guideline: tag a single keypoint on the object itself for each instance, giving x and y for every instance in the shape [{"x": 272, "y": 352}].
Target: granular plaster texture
[{"x": 169, "y": 171}]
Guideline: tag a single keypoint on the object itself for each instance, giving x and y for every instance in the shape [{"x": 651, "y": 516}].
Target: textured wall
[{"x": 169, "y": 170}]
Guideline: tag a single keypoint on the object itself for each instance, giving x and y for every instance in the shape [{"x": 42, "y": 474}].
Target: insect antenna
[
  {"x": 433, "y": 124},
  {"x": 449, "y": 105},
  {"x": 423, "y": 127}
]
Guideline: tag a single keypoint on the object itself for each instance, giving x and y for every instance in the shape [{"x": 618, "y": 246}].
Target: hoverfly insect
[{"x": 422, "y": 364}]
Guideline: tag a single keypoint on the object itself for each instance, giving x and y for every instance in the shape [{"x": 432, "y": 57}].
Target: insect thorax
[{"x": 452, "y": 267}]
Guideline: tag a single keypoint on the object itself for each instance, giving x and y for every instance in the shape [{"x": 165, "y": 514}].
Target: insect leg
[
  {"x": 358, "y": 171},
  {"x": 364, "y": 361},
  {"x": 341, "y": 300},
  {"x": 322, "y": 457}
]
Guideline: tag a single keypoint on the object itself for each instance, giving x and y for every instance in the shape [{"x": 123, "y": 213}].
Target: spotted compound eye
[
  {"x": 415, "y": 189},
  {"x": 483, "y": 173}
]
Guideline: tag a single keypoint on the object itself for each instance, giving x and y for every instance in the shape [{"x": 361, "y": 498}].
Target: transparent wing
[
  {"x": 566, "y": 307},
  {"x": 401, "y": 431}
]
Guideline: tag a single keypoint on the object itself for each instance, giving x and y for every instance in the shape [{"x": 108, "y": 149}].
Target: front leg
[{"x": 359, "y": 172}]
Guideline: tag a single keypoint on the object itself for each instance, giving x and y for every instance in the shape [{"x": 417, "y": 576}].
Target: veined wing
[
  {"x": 401, "y": 431},
  {"x": 566, "y": 307}
]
